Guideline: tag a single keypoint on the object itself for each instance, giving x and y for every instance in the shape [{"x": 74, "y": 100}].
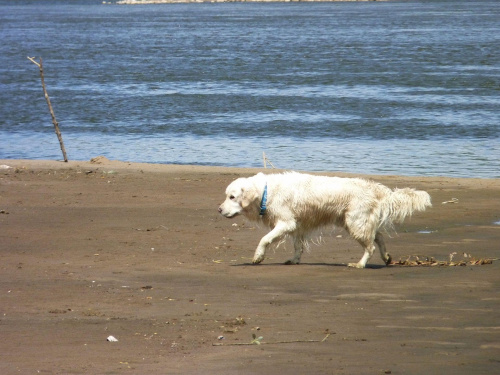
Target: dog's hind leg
[
  {"x": 369, "y": 249},
  {"x": 298, "y": 244},
  {"x": 281, "y": 229},
  {"x": 362, "y": 227},
  {"x": 379, "y": 240}
]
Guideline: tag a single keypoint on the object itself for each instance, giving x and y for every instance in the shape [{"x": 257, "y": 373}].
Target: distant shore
[{"x": 143, "y": 2}]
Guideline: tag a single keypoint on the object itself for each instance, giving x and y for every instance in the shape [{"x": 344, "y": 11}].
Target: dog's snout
[{"x": 220, "y": 209}]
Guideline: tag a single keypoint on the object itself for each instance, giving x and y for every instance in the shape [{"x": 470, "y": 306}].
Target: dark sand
[{"x": 139, "y": 252}]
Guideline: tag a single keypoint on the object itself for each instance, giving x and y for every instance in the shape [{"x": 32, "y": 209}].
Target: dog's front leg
[
  {"x": 298, "y": 244},
  {"x": 281, "y": 229}
]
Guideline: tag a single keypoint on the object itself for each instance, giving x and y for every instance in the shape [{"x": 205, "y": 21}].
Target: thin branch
[
  {"x": 266, "y": 160},
  {"x": 32, "y": 59},
  {"x": 271, "y": 342},
  {"x": 54, "y": 121}
]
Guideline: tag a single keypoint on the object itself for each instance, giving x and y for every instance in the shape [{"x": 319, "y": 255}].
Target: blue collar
[{"x": 263, "y": 202}]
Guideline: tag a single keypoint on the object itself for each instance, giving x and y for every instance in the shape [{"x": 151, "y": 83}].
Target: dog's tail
[{"x": 401, "y": 203}]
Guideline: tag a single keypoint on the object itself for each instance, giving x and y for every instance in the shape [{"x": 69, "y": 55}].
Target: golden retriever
[{"x": 296, "y": 204}]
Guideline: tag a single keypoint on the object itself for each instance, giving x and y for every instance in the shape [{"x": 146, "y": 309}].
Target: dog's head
[{"x": 242, "y": 197}]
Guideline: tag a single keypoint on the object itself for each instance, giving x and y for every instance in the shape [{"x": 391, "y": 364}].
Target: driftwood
[
  {"x": 54, "y": 121},
  {"x": 257, "y": 341},
  {"x": 426, "y": 261}
]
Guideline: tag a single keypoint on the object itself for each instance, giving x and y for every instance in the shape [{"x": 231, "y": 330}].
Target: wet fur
[{"x": 299, "y": 204}]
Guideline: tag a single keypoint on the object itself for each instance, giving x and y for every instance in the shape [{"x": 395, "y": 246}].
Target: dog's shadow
[{"x": 344, "y": 265}]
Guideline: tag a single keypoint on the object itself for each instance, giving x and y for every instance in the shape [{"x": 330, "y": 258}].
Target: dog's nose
[{"x": 220, "y": 210}]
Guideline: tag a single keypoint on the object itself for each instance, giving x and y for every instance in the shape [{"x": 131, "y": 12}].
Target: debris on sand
[{"x": 426, "y": 261}]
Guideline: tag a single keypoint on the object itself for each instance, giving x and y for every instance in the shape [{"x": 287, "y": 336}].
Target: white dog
[{"x": 296, "y": 204}]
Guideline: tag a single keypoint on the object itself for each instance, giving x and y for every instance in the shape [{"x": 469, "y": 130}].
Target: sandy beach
[{"x": 139, "y": 252}]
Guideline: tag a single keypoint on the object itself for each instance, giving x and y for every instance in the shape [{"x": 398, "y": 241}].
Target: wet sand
[{"x": 139, "y": 252}]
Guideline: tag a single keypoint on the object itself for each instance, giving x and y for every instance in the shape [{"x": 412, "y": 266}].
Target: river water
[{"x": 410, "y": 88}]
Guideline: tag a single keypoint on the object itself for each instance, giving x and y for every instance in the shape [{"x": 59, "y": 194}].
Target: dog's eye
[{"x": 231, "y": 197}]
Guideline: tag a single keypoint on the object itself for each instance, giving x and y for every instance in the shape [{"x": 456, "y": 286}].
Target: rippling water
[{"x": 407, "y": 88}]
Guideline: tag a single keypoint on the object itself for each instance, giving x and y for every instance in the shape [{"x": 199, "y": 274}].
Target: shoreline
[{"x": 101, "y": 161}]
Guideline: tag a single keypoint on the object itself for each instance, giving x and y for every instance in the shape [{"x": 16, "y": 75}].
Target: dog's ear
[{"x": 248, "y": 196}]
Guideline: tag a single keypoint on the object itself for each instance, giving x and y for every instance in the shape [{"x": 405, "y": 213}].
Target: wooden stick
[
  {"x": 54, "y": 121},
  {"x": 272, "y": 342},
  {"x": 266, "y": 160}
]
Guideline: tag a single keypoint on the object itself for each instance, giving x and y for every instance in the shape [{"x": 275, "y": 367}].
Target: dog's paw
[
  {"x": 355, "y": 265},
  {"x": 388, "y": 260},
  {"x": 292, "y": 261},
  {"x": 257, "y": 259}
]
